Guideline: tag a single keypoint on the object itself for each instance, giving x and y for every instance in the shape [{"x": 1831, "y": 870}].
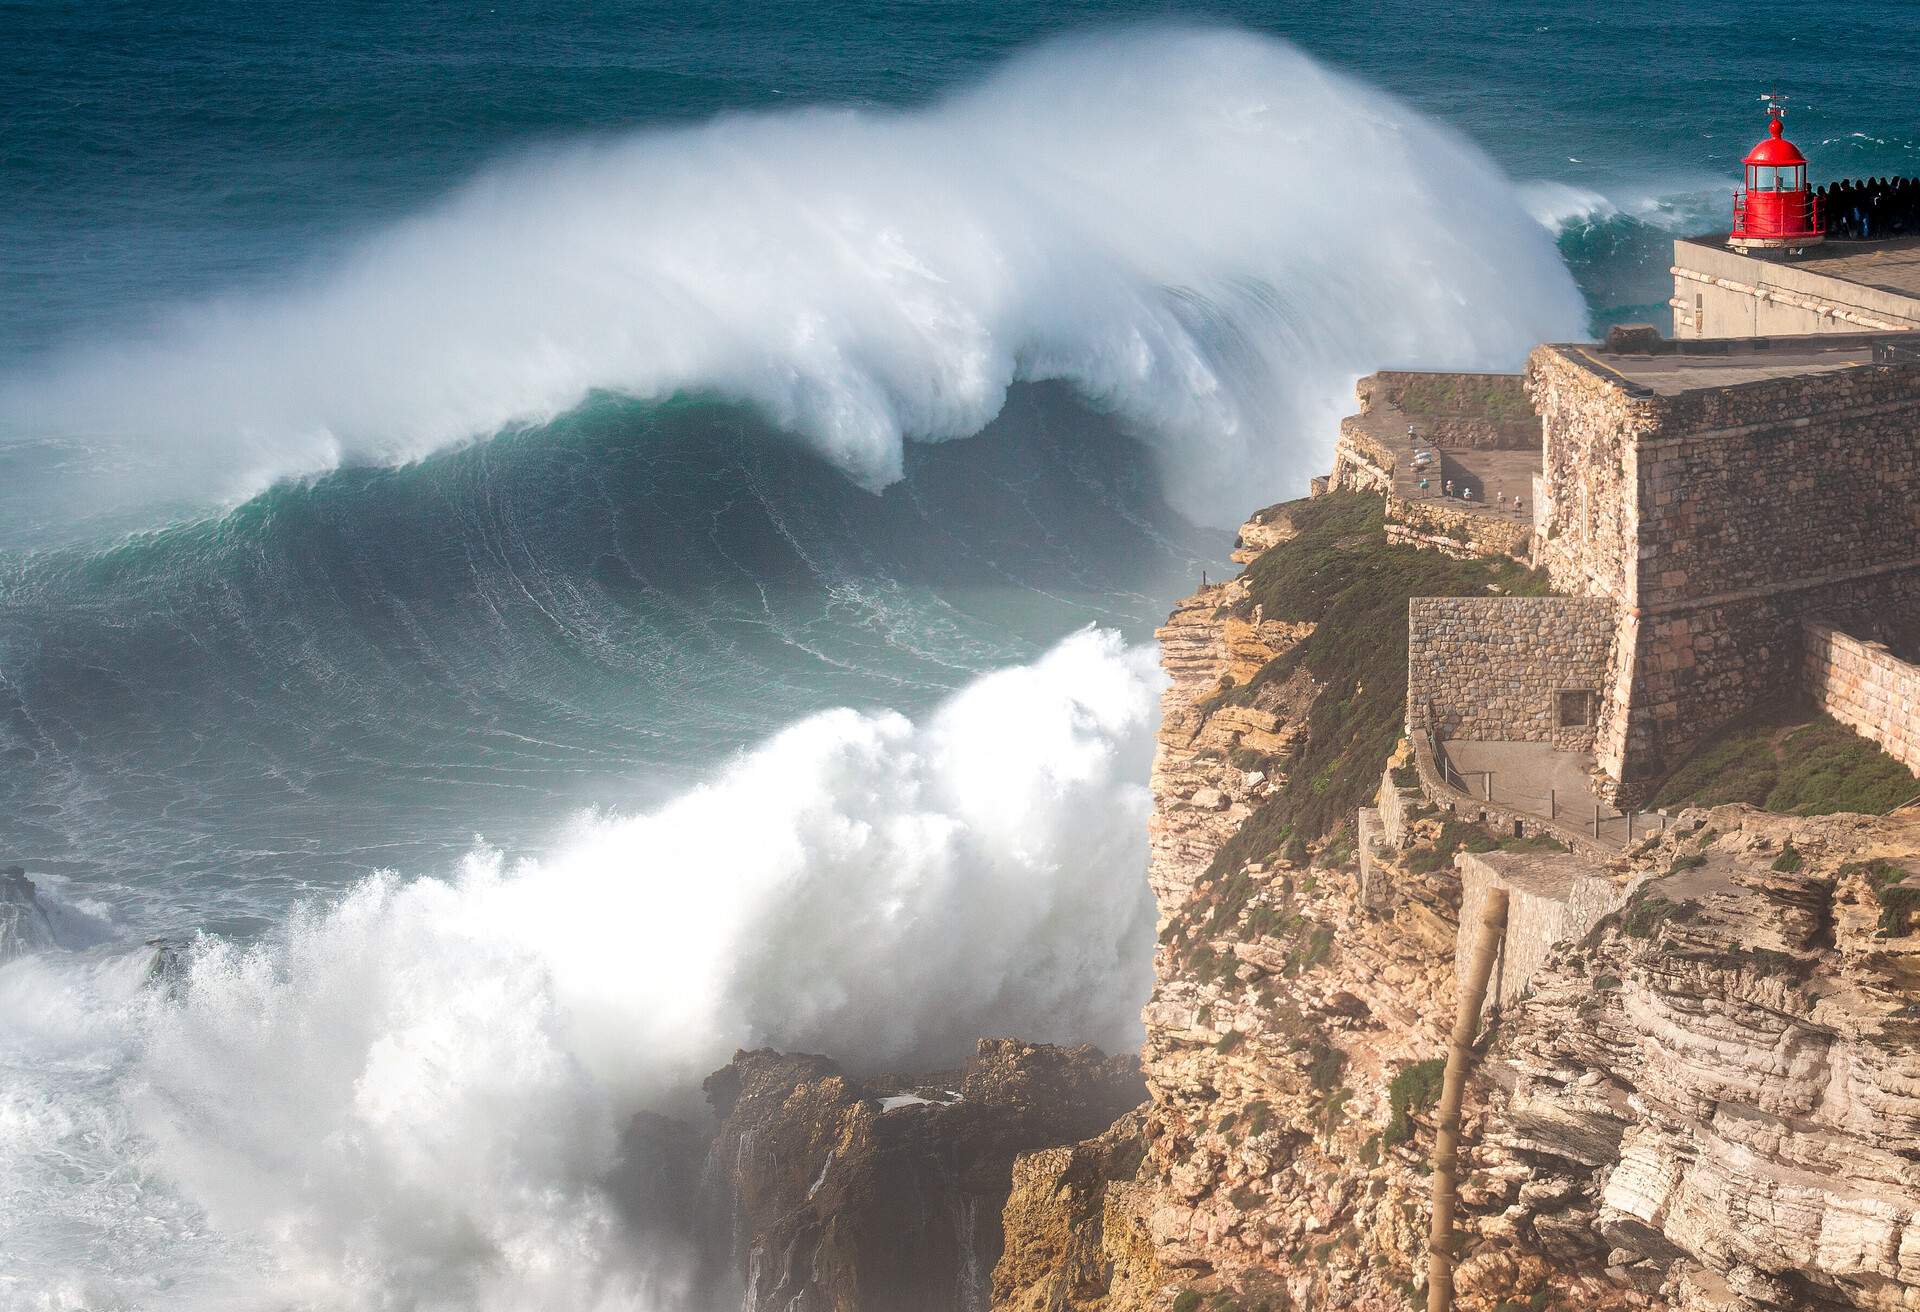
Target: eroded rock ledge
[{"x": 827, "y": 1191}]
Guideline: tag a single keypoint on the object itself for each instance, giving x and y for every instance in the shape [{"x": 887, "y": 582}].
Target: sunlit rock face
[
  {"x": 829, "y": 1191},
  {"x": 1715, "y": 1094}
]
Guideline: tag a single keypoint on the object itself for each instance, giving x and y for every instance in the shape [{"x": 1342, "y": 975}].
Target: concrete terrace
[{"x": 1546, "y": 782}]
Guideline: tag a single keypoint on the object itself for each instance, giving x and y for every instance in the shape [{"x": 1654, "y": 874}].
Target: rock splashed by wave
[{"x": 413, "y": 1095}]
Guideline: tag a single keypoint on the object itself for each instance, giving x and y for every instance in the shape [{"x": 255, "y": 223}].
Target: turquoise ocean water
[{"x": 540, "y": 542}]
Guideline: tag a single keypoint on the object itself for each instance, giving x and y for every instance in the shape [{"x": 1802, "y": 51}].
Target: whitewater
[
  {"x": 1203, "y": 232},
  {"x": 410, "y": 1091}
]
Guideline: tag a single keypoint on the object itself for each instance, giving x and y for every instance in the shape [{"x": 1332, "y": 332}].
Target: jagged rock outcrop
[
  {"x": 885, "y": 1195},
  {"x": 24, "y": 925},
  {"x": 1074, "y": 1240}
]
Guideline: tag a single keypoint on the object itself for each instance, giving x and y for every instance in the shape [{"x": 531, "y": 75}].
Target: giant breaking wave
[
  {"x": 409, "y": 1096},
  {"x": 1203, "y": 231}
]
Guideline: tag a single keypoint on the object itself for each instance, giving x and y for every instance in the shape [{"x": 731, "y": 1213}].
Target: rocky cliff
[
  {"x": 1707, "y": 1102},
  {"x": 830, "y": 1193},
  {"x": 1715, "y": 1096}
]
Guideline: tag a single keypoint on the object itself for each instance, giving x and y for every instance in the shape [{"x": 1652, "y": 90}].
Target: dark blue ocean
[{"x": 539, "y": 544}]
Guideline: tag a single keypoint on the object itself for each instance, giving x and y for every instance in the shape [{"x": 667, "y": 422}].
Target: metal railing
[{"x": 1778, "y": 224}]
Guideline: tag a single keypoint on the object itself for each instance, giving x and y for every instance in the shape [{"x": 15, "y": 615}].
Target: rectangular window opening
[{"x": 1573, "y": 708}]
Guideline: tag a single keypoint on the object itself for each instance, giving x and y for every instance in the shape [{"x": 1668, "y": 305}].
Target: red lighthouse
[{"x": 1776, "y": 210}]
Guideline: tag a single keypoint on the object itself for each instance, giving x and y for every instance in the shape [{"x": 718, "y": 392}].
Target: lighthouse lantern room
[{"x": 1776, "y": 210}]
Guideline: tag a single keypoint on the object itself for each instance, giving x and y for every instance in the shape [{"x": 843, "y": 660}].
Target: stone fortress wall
[
  {"x": 1703, "y": 501},
  {"x": 1496, "y": 667},
  {"x": 1718, "y": 519},
  {"x": 1867, "y": 688}
]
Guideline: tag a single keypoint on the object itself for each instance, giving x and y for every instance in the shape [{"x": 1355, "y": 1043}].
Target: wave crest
[{"x": 1203, "y": 230}]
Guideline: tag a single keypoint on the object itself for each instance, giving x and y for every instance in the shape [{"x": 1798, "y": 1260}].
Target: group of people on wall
[{"x": 1870, "y": 208}]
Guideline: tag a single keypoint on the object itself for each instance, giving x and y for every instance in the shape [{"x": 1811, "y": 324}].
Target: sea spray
[
  {"x": 416, "y": 1092},
  {"x": 1204, "y": 231}
]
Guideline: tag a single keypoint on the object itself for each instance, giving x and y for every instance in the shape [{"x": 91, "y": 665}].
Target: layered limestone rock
[
  {"x": 1215, "y": 761},
  {"x": 831, "y": 1192},
  {"x": 1716, "y": 1096}
]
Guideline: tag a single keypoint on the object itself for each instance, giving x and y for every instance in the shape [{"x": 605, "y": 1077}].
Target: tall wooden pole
[{"x": 1470, "y": 992}]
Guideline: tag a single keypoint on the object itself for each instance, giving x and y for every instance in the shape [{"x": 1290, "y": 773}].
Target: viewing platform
[{"x": 1451, "y": 453}]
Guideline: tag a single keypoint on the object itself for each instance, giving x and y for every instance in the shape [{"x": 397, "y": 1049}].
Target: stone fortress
[{"x": 1726, "y": 522}]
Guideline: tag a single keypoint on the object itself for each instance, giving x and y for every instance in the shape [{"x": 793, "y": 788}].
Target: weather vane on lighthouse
[{"x": 1776, "y": 210}]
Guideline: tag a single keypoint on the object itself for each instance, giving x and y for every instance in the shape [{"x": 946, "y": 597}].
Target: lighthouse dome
[{"x": 1776, "y": 151}]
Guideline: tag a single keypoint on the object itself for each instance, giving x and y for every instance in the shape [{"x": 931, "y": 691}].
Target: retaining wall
[
  {"x": 1452, "y": 529},
  {"x": 1552, "y": 898},
  {"x": 1867, "y": 688},
  {"x": 1723, "y": 293}
]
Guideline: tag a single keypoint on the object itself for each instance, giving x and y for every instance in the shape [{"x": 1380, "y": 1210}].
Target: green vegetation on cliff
[
  {"x": 1415, "y": 1088},
  {"x": 1484, "y": 396},
  {"x": 1790, "y": 761},
  {"x": 1899, "y": 900},
  {"x": 1341, "y": 573}
]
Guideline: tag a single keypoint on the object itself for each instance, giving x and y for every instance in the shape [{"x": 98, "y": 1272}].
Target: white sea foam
[
  {"x": 1673, "y": 204},
  {"x": 1557, "y": 205},
  {"x": 1203, "y": 230},
  {"x": 410, "y": 1097}
]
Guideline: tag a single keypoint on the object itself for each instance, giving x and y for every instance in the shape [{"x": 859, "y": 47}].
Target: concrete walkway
[{"x": 1542, "y": 780}]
